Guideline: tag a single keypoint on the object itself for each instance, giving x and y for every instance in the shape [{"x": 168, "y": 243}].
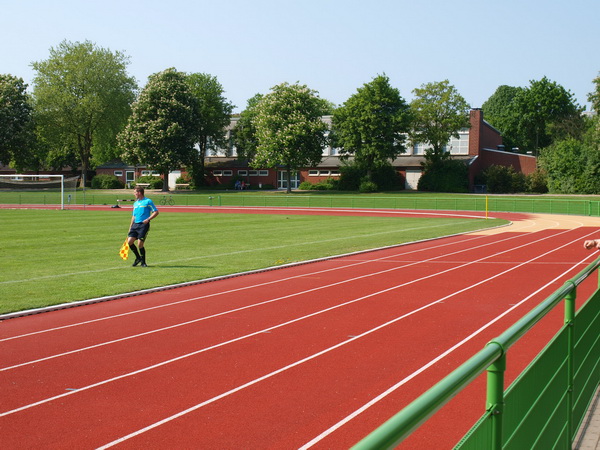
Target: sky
[{"x": 332, "y": 46}]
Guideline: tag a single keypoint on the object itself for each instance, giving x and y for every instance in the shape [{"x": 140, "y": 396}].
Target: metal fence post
[
  {"x": 495, "y": 399},
  {"x": 570, "y": 323}
]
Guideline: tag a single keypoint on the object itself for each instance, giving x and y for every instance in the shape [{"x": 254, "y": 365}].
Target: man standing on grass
[{"x": 144, "y": 211}]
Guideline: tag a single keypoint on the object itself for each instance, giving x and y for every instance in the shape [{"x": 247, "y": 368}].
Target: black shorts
[{"x": 139, "y": 231}]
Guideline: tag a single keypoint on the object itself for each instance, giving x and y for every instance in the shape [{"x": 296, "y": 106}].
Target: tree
[
  {"x": 161, "y": 131},
  {"x": 82, "y": 99},
  {"x": 543, "y": 113},
  {"x": 440, "y": 112},
  {"x": 215, "y": 115},
  {"x": 573, "y": 166},
  {"x": 289, "y": 128},
  {"x": 17, "y": 136},
  {"x": 497, "y": 111},
  {"x": 372, "y": 125},
  {"x": 244, "y": 133}
]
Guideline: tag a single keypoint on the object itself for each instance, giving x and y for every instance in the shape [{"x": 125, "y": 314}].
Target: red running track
[{"x": 316, "y": 355}]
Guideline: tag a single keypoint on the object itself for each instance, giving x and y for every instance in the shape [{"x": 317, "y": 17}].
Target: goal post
[{"x": 38, "y": 189}]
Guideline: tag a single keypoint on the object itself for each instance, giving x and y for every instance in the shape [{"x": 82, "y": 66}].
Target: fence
[
  {"x": 481, "y": 203},
  {"x": 545, "y": 405}
]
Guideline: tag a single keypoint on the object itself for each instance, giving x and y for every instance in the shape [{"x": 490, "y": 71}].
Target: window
[
  {"x": 217, "y": 173},
  {"x": 263, "y": 173},
  {"x": 118, "y": 173},
  {"x": 253, "y": 173},
  {"x": 243, "y": 173},
  {"x": 227, "y": 173},
  {"x": 152, "y": 173},
  {"x": 459, "y": 146},
  {"x": 313, "y": 173}
]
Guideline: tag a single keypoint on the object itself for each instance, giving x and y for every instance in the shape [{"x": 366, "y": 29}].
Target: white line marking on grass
[
  {"x": 240, "y": 338},
  {"x": 221, "y": 255},
  {"x": 409, "y": 263},
  {"x": 408, "y": 378},
  {"x": 250, "y": 287},
  {"x": 316, "y": 355},
  {"x": 303, "y": 292}
]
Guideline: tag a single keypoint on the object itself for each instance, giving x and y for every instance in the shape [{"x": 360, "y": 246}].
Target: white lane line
[
  {"x": 374, "y": 294},
  {"x": 243, "y": 288},
  {"x": 349, "y": 280},
  {"x": 406, "y": 379},
  {"x": 315, "y": 355}
]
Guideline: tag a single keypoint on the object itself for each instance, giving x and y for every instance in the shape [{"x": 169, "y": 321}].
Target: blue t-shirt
[{"x": 142, "y": 209}]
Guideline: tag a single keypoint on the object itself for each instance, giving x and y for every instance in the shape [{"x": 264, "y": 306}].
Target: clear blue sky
[{"x": 333, "y": 46}]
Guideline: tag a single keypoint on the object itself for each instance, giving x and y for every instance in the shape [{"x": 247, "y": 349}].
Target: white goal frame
[{"x": 21, "y": 178}]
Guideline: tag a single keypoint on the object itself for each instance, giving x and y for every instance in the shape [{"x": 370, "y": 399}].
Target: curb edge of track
[{"x": 30, "y": 312}]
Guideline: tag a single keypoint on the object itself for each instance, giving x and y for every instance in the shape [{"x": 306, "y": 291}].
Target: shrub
[
  {"x": 153, "y": 182},
  {"x": 185, "y": 179},
  {"x": 306, "y": 186},
  {"x": 505, "y": 180},
  {"x": 325, "y": 185},
  {"x": 350, "y": 177},
  {"x": 105, "y": 181},
  {"x": 447, "y": 175},
  {"x": 367, "y": 186},
  {"x": 537, "y": 182},
  {"x": 386, "y": 178}
]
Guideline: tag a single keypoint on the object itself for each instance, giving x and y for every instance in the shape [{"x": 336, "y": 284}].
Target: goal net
[{"x": 38, "y": 190}]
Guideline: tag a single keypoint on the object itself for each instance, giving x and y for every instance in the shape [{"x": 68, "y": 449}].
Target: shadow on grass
[{"x": 172, "y": 266}]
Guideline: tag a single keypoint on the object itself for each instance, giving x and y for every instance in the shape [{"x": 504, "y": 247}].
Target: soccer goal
[{"x": 38, "y": 190}]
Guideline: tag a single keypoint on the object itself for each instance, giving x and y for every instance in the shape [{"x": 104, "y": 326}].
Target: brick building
[{"x": 479, "y": 146}]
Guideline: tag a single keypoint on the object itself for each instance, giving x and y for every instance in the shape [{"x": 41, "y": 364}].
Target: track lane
[{"x": 348, "y": 319}]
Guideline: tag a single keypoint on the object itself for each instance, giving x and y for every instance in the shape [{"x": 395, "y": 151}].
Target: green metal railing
[
  {"x": 480, "y": 203},
  {"x": 545, "y": 405}
]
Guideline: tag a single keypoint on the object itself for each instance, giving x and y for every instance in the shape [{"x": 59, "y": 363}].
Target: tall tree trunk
[{"x": 165, "y": 187}]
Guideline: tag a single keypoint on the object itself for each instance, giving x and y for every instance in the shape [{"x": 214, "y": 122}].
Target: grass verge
[{"x": 52, "y": 257}]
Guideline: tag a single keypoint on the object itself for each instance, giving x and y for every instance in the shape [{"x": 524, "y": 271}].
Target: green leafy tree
[
  {"x": 372, "y": 125},
  {"x": 244, "y": 133},
  {"x": 440, "y": 112},
  {"x": 497, "y": 111},
  {"x": 289, "y": 128},
  {"x": 161, "y": 132},
  {"x": 543, "y": 113},
  {"x": 215, "y": 115},
  {"x": 573, "y": 165},
  {"x": 444, "y": 175},
  {"x": 17, "y": 137},
  {"x": 82, "y": 99}
]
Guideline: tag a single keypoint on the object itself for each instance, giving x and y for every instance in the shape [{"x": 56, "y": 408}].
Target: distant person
[
  {"x": 592, "y": 243},
  {"x": 144, "y": 211}
]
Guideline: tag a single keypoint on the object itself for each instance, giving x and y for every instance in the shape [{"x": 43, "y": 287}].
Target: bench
[
  {"x": 144, "y": 185},
  {"x": 182, "y": 185}
]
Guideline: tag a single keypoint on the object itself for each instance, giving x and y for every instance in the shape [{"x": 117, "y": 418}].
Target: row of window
[
  {"x": 323, "y": 173},
  {"x": 456, "y": 146},
  {"x": 119, "y": 173},
  {"x": 241, "y": 173}
]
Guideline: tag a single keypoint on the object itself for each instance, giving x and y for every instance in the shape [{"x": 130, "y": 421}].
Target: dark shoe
[
  {"x": 144, "y": 263},
  {"x": 137, "y": 261}
]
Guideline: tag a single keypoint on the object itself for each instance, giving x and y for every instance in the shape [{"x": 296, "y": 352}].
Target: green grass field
[{"x": 50, "y": 256}]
